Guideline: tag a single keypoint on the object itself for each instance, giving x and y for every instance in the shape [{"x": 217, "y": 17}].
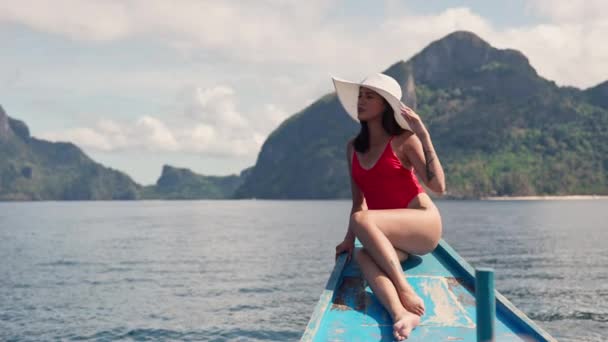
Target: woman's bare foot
[
  {"x": 404, "y": 324},
  {"x": 412, "y": 302}
]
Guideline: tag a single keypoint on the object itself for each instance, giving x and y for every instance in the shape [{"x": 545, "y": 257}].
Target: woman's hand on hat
[{"x": 413, "y": 120}]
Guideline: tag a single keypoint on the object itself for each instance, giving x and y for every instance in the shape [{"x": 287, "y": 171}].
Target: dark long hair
[{"x": 389, "y": 124}]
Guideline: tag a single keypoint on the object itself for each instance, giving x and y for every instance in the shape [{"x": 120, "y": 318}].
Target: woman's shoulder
[
  {"x": 404, "y": 139},
  {"x": 402, "y": 143}
]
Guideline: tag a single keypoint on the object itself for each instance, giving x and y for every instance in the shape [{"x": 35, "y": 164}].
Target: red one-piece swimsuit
[{"x": 387, "y": 185}]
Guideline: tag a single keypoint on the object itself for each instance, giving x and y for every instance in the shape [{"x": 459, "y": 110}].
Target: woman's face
[{"x": 370, "y": 104}]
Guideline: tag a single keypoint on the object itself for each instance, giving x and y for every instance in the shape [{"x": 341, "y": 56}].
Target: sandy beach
[{"x": 534, "y": 198}]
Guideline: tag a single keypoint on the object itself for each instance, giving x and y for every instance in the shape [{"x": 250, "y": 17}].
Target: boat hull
[{"x": 349, "y": 311}]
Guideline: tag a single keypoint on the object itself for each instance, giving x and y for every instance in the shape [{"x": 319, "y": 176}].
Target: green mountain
[
  {"x": 598, "y": 95},
  {"x": 177, "y": 183},
  {"x": 33, "y": 169},
  {"x": 498, "y": 128},
  {"x": 304, "y": 157}
]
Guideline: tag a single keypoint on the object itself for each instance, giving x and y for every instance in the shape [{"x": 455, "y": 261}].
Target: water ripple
[
  {"x": 574, "y": 315},
  {"x": 156, "y": 270}
]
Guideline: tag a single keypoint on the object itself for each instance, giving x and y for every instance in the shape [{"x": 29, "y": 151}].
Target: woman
[{"x": 391, "y": 215}]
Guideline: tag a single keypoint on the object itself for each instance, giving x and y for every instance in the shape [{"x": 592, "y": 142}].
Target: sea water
[{"x": 254, "y": 270}]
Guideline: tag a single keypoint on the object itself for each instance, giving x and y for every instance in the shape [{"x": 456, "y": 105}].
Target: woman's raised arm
[{"x": 421, "y": 153}]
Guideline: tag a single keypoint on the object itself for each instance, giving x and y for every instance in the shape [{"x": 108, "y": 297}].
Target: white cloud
[
  {"x": 233, "y": 28},
  {"x": 264, "y": 60},
  {"x": 569, "y": 49},
  {"x": 568, "y": 11},
  {"x": 271, "y": 32},
  {"x": 84, "y": 137},
  {"x": 209, "y": 122},
  {"x": 407, "y": 34},
  {"x": 216, "y": 105},
  {"x": 200, "y": 136},
  {"x": 154, "y": 134},
  {"x": 146, "y": 133},
  {"x": 274, "y": 114},
  {"x": 87, "y": 20}
]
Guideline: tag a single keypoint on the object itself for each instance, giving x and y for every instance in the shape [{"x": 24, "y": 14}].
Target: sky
[{"x": 200, "y": 84}]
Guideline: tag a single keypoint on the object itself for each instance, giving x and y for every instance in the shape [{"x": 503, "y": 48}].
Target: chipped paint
[
  {"x": 339, "y": 307},
  {"x": 361, "y": 296},
  {"x": 357, "y": 314},
  {"x": 447, "y": 310},
  {"x": 458, "y": 281},
  {"x": 445, "y": 314},
  {"x": 465, "y": 298},
  {"x": 351, "y": 287}
]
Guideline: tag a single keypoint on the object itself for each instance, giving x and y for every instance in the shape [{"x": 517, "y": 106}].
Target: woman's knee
[
  {"x": 359, "y": 220},
  {"x": 359, "y": 216}
]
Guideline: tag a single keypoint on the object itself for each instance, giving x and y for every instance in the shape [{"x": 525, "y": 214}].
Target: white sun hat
[{"x": 386, "y": 86}]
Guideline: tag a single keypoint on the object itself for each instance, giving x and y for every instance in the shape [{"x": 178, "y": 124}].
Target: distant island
[
  {"x": 34, "y": 169},
  {"x": 179, "y": 183},
  {"x": 499, "y": 128}
]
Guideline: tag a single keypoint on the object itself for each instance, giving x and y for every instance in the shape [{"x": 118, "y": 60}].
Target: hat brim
[{"x": 348, "y": 93}]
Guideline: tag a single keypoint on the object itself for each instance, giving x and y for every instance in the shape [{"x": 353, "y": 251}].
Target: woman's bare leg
[
  {"x": 404, "y": 321},
  {"x": 411, "y": 230}
]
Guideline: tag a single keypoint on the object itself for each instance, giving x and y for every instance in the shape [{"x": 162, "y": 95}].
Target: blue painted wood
[
  {"x": 486, "y": 303},
  {"x": 504, "y": 307},
  {"x": 324, "y": 300},
  {"x": 349, "y": 311}
]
